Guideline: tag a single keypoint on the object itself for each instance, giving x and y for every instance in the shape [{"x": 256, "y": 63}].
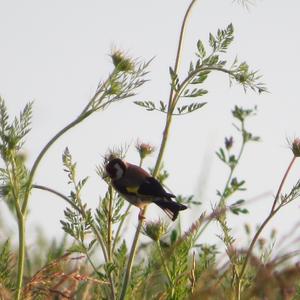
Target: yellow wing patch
[{"x": 132, "y": 189}]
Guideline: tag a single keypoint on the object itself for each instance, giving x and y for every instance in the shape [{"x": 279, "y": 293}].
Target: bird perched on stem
[{"x": 140, "y": 189}]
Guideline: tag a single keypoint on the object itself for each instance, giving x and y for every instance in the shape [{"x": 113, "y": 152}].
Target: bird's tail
[{"x": 170, "y": 207}]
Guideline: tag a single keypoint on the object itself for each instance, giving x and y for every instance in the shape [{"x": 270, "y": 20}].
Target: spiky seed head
[
  {"x": 121, "y": 62},
  {"x": 155, "y": 230}
]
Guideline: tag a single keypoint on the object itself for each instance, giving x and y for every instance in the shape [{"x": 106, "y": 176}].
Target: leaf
[
  {"x": 174, "y": 79},
  {"x": 201, "y": 50},
  {"x": 221, "y": 155},
  {"x": 194, "y": 106},
  {"x": 212, "y": 41},
  {"x": 213, "y": 60},
  {"x": 195, "y": 93},
  {"x": 182, "y": 109},
  {"x": 163, "y": 106},
  {"x": 201, "y": 77},
  {"x": 172, "y": 74},
  {"x": 149, "y": 105},
  {"x": 173, "y": 236},
  {"x": 3, "y": 117}
]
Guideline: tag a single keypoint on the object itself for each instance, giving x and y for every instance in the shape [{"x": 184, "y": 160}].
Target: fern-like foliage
[
  {"x": 208, "y": 61},
  {"x": 14, "y": 174},
  {"x": 7, "y": 267}
]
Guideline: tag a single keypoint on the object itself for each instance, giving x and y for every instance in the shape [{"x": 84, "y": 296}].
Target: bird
[{"x": 139, "y": 188}]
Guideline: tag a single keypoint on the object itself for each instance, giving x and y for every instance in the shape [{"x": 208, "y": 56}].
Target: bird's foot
[{"x": 141, "y": 215}]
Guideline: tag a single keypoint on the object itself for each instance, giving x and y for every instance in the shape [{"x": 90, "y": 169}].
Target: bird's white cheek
[{"x": 119, "y": 172}]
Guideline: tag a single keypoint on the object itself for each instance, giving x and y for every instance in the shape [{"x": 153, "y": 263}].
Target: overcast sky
[{"x": 55, "y": 53}]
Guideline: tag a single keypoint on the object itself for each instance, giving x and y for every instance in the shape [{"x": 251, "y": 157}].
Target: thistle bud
[
  {"x": 144, "y": 149},
  {"x": 296, "y": 147},
  {"x": 121, "y": 62}
]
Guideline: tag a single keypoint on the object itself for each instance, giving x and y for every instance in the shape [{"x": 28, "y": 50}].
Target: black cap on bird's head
[{"x": 116, "y": 168}]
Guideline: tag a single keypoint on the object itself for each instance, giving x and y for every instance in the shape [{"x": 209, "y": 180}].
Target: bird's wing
[
  {"x": 152, "y": 187},
  {"x": 126, "y": 190}
]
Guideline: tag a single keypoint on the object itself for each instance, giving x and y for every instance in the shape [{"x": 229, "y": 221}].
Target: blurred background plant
[{"x": 95, "y": 260}]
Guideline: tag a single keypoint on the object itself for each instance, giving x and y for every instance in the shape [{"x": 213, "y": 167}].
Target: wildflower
[
  {"x": 228, "y": 143},
  {"x": 144, "y": 149}
]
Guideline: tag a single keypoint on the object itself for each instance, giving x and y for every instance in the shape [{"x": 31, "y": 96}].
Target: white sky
[{"x": 55, "y": 52}]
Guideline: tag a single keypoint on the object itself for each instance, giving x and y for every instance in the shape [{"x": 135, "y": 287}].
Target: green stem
[
  {"x": 50, "y": 190},
  {"x": 21, "y": 258},
  {"x": 119, "y": 228},
  {"x": 43, "y": 152},
  {"x": 179, "y": 47},
  {"x": 162, "y": 145},
  {"x": 109, "y": 225},
  {"x": 232, "y": 169},
  {"x": 130, "y": 260},
  {"x": 167, "y": 271},
  {"x": 222, "y": 200}
]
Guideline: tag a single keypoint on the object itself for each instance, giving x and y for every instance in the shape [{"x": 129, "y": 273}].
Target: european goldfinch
[{"x": 140, "y": 189}]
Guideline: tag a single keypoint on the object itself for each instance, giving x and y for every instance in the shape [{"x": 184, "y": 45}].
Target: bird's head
[{"x": 116, "y": 168}]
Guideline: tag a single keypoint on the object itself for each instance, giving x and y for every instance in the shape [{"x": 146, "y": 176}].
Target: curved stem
[
  {"x": 171, "y": 95},
  {"x": 50, "y": 190},
  {"x": 269, "y": 217},
  {"x": 43, "y": 152},
  {"x": 282, "y": 183},
  {"x": 179, "y": 47}
]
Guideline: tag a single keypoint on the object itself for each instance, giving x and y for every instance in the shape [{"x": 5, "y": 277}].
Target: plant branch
[
  {"x": 269, "y": 217},
  {"x": 50, "y": 190},
  {"x": 43, "y": 152}
]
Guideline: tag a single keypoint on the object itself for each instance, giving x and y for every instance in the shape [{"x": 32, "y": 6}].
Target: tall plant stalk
[{"x": 172, "y": 100}]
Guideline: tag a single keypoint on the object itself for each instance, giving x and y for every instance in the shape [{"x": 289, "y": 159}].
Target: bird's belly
[{"x": 137, "y": 201}]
